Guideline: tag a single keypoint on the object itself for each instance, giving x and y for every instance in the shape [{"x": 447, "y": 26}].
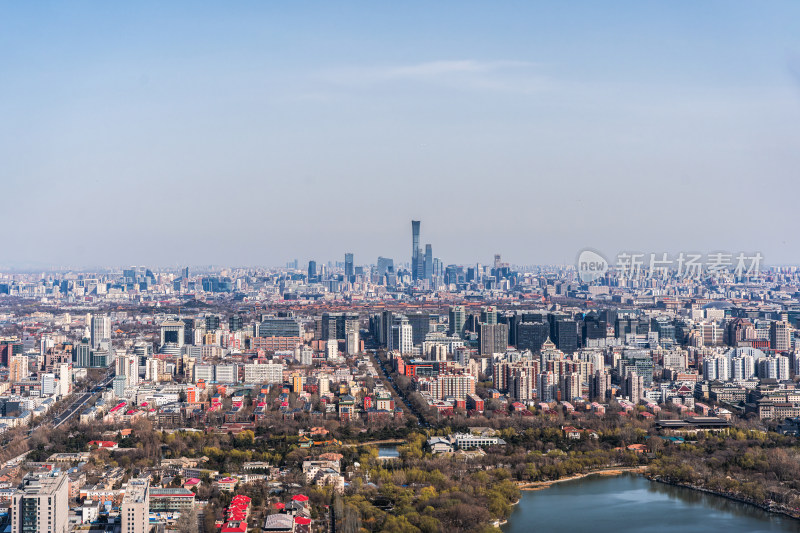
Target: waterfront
[{"x": 631, "y": 503}]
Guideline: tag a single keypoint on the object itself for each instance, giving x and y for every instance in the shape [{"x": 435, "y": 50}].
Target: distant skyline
[{"x": 253, "y": 133}]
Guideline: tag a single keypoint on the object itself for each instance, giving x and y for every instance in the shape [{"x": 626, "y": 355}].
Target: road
[
  {"x": 398, "y": 392},
  {"x": 80, "y": 401}
]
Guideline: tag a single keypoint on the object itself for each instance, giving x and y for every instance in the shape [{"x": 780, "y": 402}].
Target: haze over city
[{"x": 162, "y": 134}]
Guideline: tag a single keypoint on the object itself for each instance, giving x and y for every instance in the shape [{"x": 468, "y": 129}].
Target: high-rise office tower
[
  {"x": 235, "y": 322},
  {"x": 83, "y": 354},
  {"x": 312, "y": 270},
  {"x": 489, "y": 315},
  {"x": 172, "y": 331},
  {"x": 415, "y": 258},
  {"x": 493, "y": 338},
  {"x": 531, "y": 335},
  {"x": 349, "y": 269},
  {"x": 384, "y": 265},
  {"x": 420, "y": 326},
  {"x": 100, "y": 329},
  {"x": 428, "y": 265},
  {"x": 41, "y": 504},
  {"x": 386, "y": 322},
  {"x": 458, "y": 317},
  {"x": 212, "y": 322}
]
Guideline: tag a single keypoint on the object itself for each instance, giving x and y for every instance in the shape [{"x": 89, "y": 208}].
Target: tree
[{"x": 187, "y": 523}]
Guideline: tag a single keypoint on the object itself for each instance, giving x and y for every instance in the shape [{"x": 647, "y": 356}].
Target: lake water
[
  {"x": 630, "y": 503},
  {"x": 387, "y": 451}
]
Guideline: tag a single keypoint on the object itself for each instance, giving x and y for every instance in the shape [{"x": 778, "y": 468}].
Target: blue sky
[{"x": 252, "y": 133}]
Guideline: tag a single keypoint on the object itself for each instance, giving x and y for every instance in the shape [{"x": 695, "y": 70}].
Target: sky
[{"x": 254, "y": 133}]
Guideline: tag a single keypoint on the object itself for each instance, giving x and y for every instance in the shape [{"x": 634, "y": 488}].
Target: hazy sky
[{"x": 252, "y": 133}]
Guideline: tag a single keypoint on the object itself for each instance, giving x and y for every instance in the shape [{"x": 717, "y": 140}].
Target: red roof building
[{"x": 107, "y": 444}]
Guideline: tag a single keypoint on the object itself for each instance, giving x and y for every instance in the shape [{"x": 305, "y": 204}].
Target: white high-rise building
[
  {"x": 100, "y": 329},
  {"x": 332, "y": 350},
  {"x": 127, "y": 365},
  {"x": 402, "y": 337},
  {"x": 45, "y": 344},
  {"x": 227, "y": 373},
  {"x": 48, "y": 384},
  {"x": 353, "y": 342},
  {"x": 709, "y": 369},
  {"x": 774, "y": 368},
  {"x": 64, "y": 379},
  {"x": 306, "y": 355},
  {"x": 153, "y": 369},
  {"x": 723, "y": 368},
  {"x": 268, "y": 373},
  {"x": 743, "y": 367},
  {"x": 717, "y": 368}
]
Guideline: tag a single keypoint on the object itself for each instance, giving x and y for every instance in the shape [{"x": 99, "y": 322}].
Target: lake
[
  {"x": 387, "y": 451},
  {"x": 631, "y": 503}
]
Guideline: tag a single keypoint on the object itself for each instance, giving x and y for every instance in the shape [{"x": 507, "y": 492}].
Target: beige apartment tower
[
  {"x": 135, "y": 508},
  {"x": 41, "y": 505}
]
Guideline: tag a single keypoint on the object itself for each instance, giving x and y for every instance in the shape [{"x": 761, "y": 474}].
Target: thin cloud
[{"x": 513, "y": 76}]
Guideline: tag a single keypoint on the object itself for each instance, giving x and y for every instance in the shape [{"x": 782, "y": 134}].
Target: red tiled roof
[
  {"x": 235, "y": 527},
  {"x": 103, "y": 443}
]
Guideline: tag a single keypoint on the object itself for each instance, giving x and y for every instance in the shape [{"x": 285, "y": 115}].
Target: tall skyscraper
[
  {"x": 415, "y": 256},
  {"x": 428, "y": 264},
  {"x": 384, "y": 265},
  {"x": 349, "y": 269},
  {"x": 312, "y": 270}
]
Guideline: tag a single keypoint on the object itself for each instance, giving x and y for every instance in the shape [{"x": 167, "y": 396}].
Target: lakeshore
[
  {"x": 642, "y": 470},
  {"x": 629, "y": 503},
  {"x": 612, "y": 471},
  {"x": 771, "y": 508}
]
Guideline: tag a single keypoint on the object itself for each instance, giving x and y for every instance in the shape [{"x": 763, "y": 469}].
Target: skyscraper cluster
[{"x": 422, "y": 263}]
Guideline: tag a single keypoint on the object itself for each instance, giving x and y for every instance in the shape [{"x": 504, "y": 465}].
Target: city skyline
[
  {"x": 152, "y": 137},
  {"x": 210, "y": 320}
]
